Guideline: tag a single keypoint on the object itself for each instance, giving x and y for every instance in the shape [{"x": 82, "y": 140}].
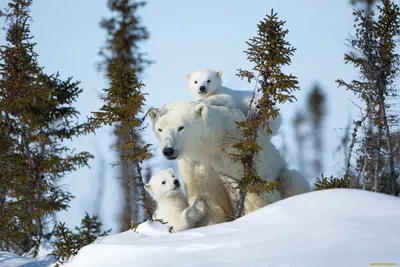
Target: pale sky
[{"x": 185, "y": 36}]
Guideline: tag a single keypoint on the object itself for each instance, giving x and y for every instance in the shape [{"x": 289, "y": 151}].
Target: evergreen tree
[
  {"x": 367, "y": 3},
  {"x": 373, "y": 53},
  {"x": 269, "y": 52},
  {"x": 331, "y": 182},
  {"x": 123, "y": 104},
  {"x": 298, "y": 122},
  {"x": 316, "y": 109},
  {"x": 68, "y": 244},
  {"x": 37, "y": 115},
  {"x": 125, "y": 33}
]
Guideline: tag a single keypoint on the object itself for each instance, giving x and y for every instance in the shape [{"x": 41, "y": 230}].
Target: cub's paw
[{"x": 200, "y": 206}]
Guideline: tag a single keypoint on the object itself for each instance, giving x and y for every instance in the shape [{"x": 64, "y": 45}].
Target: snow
[
  {"x": 11, "y": 260},
  {"x": 338, "y": 227}
]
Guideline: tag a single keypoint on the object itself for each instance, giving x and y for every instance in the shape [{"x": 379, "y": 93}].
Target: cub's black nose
[
  {"x": 176, "y": 182},
  {"x": 202, "y": 88},
  {"x": 168, "y": 152}
]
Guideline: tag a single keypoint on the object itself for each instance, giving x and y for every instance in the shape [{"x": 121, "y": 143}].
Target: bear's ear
[
  {"x": 147, "y": 187},
  {"x": 170, "y": 170},
  {"x": 219, "y": 73},
  {"x": 201, "y": 110},
  {"x": 188, "y": 76},
  {"x": 153, "y": 113}
]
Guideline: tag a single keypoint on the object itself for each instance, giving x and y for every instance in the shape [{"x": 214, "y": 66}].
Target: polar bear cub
[
  {"x": 206, "y": 85},
  {"x": 172, "y": 206}
]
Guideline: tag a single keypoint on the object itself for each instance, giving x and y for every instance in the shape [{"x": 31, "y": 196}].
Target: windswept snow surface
[
  {"x": 339, "y": 227},
  {"x": 330, "y": 228}
]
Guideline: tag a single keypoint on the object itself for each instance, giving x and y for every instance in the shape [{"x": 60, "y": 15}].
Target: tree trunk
[{"x": 389, "y": 146}]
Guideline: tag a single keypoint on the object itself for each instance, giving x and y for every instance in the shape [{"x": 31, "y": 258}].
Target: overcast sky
[{"x": 185, "y": 36}]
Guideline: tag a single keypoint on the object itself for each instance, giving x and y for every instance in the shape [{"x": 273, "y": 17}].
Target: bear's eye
[
  {"x": 181, "y": 128},
  {"x": 208, "y": 81},
  {"x": 173, "y": 176},
  {"x": 163, "y": 182},
  {"x": 159, "y": 129},
  {"x": 195, "y": 82}
]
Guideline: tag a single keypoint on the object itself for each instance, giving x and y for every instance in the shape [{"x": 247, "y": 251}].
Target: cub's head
[
  {"x": 179, "y": 127},
  {"x": 163, "y": 184},
  {"x": 205, "y": 82}
]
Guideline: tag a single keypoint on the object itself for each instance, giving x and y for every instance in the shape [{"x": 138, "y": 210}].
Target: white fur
[
  {"x": 217, "y": 94},
  {"x": 207, "y": 136},
  {"x": 172, "y": 206}
]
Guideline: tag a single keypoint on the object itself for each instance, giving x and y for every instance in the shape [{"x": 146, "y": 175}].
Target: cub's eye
[
  {"x": 173, "y": 176},
  {"x": 181, "y": 128},
  {"x": 159, "y": 130},
  {"x": 195, "y": 82},
  {"x": 208, "y": 81},
  {"x": 163, "y": 182}
]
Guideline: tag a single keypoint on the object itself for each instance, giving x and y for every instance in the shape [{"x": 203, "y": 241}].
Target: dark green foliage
[
  {"x": 124, "y": 34},
  {"x": 68, "y": 244},
  {"x": 123, "y": 103},
  {"x": 373, "y": 52},
  {"x": 316, "y": 109},
  {"x": 37, "y": 114},
  {"x": 367, "y": 3},
  {"x": 269, "y": 52},
  {"x": 331, "y": 182}
]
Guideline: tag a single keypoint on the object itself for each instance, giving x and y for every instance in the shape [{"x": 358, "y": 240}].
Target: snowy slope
[{"x": 340, "y": 227}]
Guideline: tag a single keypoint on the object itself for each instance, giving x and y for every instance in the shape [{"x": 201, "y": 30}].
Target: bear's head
[
  {"x": 178, "y": 126},
  {"x": 163, "y": 184},
  {"x": 184, "y": 128},
  {"x": 205, "y": 82}
]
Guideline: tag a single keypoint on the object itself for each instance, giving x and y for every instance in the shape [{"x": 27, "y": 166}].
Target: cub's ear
[
  {"x": 219, "y": 73},
  {"x": 188, "y": 76},
  {"x": 170, "y": 170},
  {"x": 153, "y": 114},
  {"x": 201, "y": 110}
]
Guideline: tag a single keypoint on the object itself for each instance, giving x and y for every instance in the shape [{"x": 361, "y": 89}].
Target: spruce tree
[
  {"x": 37, "y": 115},
  {"x": 269, "y": 52},
  {"x": 124, "y": 34},
  {"x": 68, "y": 244},
  {"x": 316, "y": 109},
  {"x": 123, "y": 104},
  {"x": 373, "y": 52},
  {"x": 367, "y": 3}
]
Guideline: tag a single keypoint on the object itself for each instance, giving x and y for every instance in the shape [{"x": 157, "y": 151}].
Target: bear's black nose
[
  {"x": 168, "y": 152},
  {"x": 202, "y": 88},
  {"x": 176, "y": 182}
]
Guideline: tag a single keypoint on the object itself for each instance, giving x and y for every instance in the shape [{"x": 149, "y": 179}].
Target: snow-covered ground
[{"x": 340, "y": 227}]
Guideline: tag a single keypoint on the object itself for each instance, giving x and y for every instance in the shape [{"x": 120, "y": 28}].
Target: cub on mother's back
[
  {"x": 172, "y": 206},
  {"x": 206, "y": 85}
]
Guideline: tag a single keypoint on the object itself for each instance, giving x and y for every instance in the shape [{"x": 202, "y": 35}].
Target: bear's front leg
[
  {"x": 197, "y": 210},
  {"x": 191, "y": 215}
]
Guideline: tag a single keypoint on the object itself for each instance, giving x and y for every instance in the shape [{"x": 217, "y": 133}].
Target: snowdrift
[{"x": 338, "y": 227}]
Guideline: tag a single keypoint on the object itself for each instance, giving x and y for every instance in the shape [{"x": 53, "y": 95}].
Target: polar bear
[
  {"x": 206, "y": 85},
  {"x": 205, "y": 133},
  {"x": 172, "y": 205}
]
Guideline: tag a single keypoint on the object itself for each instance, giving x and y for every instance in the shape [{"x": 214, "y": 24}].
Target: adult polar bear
[{"x": 197, "y": 132}]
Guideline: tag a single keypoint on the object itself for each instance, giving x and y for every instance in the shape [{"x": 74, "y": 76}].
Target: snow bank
[{"x": 340, "y": 227}]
